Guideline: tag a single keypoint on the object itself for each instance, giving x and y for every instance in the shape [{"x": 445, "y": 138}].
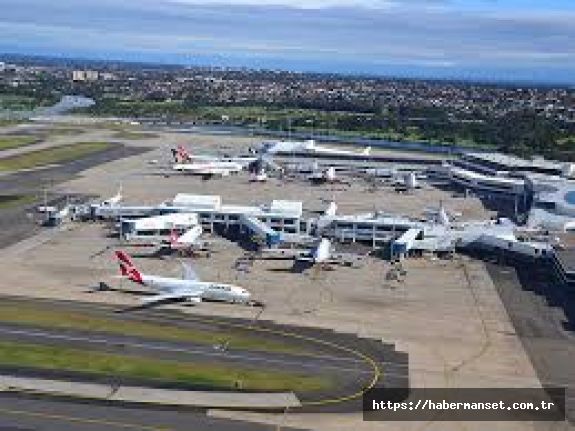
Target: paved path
[{"x": 144, "y": 395}]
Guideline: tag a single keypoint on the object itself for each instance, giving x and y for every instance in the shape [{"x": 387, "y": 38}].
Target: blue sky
[{"x": 467, "y": 39}]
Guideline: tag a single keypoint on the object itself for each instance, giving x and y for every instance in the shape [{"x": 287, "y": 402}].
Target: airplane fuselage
[
  {"x": 205, "y": 290},
  {"x": 209, "y": 168}
]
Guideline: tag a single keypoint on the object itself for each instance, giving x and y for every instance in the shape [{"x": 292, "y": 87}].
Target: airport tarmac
[
  {"x": 538, "y": 314},
  {"x": 348, "y": 363},
  {"x": 446, "y": 315},
  {"x": 18, "y": 221},
  {"x": 28, "y": 414}
]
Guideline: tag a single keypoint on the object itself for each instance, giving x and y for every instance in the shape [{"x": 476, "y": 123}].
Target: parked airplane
[
  {"x": 326, "y": 217},
  {"x": 189, "y": 241},
  {"x": 440, "y": 215},
  {"x": 337, "y": 152},
  {"x": 209, "y": 168},
  {"x": 188, "y": 288},
  {"x": 380, "y": 172},
  {"x": 328, "y": 176},
  {"x": 285, "y": 147},
  {"x": 406, "y": 182},
  {"x": 321, "y": 254},
  {"x": 114, "y": 200},
  {"x": 181, "y": 156},
  {"x": 259, "y": 167},
  {"x": 259, "y": 176}
]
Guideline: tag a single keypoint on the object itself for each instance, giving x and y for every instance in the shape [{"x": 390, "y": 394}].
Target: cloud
[
  {"x": 300, "y": 4},
  {"x": 332, "y": 36}
]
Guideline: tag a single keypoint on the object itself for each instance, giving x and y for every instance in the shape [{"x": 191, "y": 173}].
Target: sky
[{"x": 509, "y": 40}]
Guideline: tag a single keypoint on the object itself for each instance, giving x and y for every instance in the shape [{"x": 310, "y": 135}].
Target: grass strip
[
  {"x": 40, "y": 356},
  {"x": 61, "y": 154},
  {"x": 63, "y": 131},
  {"x": 26, "y": 314},
  {"x": 15, "y": 200},
  {"x": 14, "y": 141}
]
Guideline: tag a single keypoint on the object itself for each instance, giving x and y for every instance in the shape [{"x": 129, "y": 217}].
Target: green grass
[
  {"x": 110, "y": 364},
  {"x": 61, "y": 154},
  {"x": 15, "y": 200},
  {"x": 26, "y": 314},
  {"x": 17, "y": 103},
  {"x": 64, "y": 131},
  {"x": 6, "y": 122},
  {"x": 14, "y": 141}
]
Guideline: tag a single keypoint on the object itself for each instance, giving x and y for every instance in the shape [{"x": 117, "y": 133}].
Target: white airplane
[
  {"x": 321, "y": 254},
  {"x": 259, "y": 168},
  {"x": 114, "y": 200},
  {"x": 331, "y": 210},
  {"x": 328, "y": 176},
  {"x": 283, "y": 147},
  {"x": 259, "y": 176},
  {"x": 326, "y": 218},
  {"x": 181, "y": 155},
  {"x": 407, "y": 181},
  {"x": 440, "y": 215},
  {"x": 337, "y": 152},
  {"x": 209, "y": 168},
  {"x": 188, "y": 288},
  {"x": 189, "y": 240},
  {"x": 380, "y": 172}
]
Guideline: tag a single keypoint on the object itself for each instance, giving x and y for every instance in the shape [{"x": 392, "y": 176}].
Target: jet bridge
[
  {"x": 261, "y": 230},
  {"x": 402, "y": 245}
]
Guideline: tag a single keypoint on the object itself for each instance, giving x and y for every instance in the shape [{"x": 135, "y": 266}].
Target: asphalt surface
[
  {"x": 35, "y": 414},
  {"x": 536, "y": 306},
  {"x": 15, "y": 222},
  {"x": 352, "y": 368},
  {"x": 352, "y": 363}
]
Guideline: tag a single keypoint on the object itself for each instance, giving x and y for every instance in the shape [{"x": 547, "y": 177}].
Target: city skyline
[{"x": 506, "y": 40}]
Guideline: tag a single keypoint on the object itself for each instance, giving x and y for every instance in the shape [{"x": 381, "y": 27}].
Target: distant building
[
  {"x": 85, "y": 75},
  {"x": 507, "y": 176}
]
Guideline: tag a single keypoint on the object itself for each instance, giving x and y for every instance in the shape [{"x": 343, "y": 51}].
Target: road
[{"x": 30, "y": 414}]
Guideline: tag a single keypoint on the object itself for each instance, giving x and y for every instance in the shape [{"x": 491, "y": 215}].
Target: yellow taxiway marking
[
  {"x": 377, "y": 372},
  {"x": 73, "y": 419}
]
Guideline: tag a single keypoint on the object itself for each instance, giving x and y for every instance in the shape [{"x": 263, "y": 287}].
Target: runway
[
  {"x": 15, "y": 225},
  {"x": 179, "y": 351}
]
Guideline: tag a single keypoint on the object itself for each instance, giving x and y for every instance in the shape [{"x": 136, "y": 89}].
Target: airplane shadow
[{"x": 298, "y": 267}]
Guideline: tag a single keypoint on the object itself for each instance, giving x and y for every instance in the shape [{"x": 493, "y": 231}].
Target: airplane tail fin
[
  {"x": 174, "y": 238},
  {"x": 176, "y": 155},
  {"x": 183, "y": 154},
  {"x": 330, "y": 210},
  {"x": 127, "y": 268}
]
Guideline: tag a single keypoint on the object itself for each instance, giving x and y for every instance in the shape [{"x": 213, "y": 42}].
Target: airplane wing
[
  {"x": 170, "y": 297},
  {"x": 189, "y": 273},
  {"x": 345, "y": 258},
  {"x": 190, "y": 236},
  {"x": 284, "y": 253}
]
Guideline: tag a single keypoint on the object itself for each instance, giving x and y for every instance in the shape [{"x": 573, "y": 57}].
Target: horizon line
[{"x": 353, "y": 75}]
